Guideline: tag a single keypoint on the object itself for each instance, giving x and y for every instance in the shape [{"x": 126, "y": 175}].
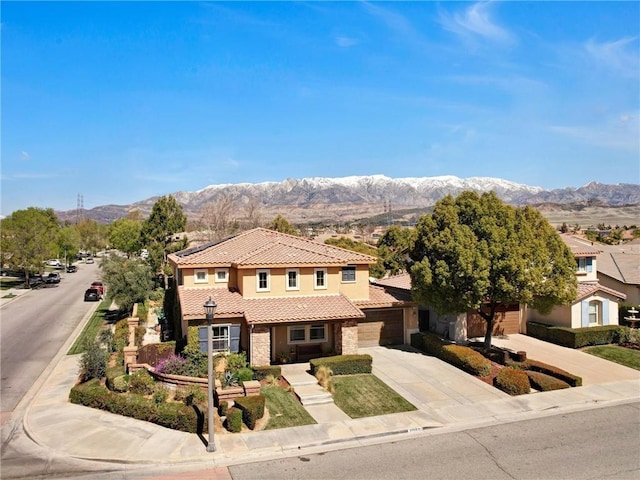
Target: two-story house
[
  {"x": 276, "y": 292},
  {"x": 595, "y": 304}
]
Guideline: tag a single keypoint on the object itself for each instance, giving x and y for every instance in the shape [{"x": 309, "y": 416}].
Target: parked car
[
  {"x": 72, "y": 269},
  {"x": 54, "y": 262},
  {"x": 53, "y": 277},
  {"x": 92, "y": 295},
  {"x": 89, "y": 260},
  {"x": 99, "y": 286}
]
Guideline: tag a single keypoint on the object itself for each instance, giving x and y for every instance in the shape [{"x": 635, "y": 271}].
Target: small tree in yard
[
  {"x": 475, "y": 252},
  {"x": 93, "y": 363},
  {"x": 128, "y": 281}
]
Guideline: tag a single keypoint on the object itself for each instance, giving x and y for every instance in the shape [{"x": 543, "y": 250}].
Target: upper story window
[
  {"x": 263, "y": 284},
  {"x": 585, "y": 264},
  {"x": 201, "y": 276},
  {"x": 320, "y": 278},
  {"x": 222, "y": 275},
  {"x": 293, "y": 279},
  {"x": 348, "y": 274}
]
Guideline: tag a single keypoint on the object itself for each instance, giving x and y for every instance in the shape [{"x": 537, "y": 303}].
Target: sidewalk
[{"x": 80, "y": 432}]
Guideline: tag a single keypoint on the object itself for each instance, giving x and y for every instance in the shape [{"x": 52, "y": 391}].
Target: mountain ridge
[{"x": 352, "y": 197}]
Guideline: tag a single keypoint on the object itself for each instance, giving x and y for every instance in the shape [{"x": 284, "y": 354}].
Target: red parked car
[{"x": 99, "y": 286}]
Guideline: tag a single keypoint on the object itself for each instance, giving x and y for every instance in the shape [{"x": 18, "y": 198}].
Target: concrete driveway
[
  {"x": 427, "y": 382},
  {"x": 592, "y": 369}
]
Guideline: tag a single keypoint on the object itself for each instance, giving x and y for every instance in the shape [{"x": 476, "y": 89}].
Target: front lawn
[
  {"x": 365, "y": 395},
  {"x": 284, "y": 409},
  {"x": 624, "y": 356},
  {"x": 91, "y": 329}
]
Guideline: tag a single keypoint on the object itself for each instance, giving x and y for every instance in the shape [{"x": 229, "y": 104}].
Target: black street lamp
[{"x": 210, "y": 310}]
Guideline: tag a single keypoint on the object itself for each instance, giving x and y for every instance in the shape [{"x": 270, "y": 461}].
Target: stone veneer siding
[
  {"x": 349, "y": 340},
  {"x": 260, "y": 353}
]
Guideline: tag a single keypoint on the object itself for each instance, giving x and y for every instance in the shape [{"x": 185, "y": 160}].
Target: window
[
  {"x": 348, "y": 274},
  {"x": 222, "y": 275},
  {"x": 320, "y": 278},
  {"x": 594, "y": 310},
  {"x": 292, "y": 279},
  {"x": 307, "y": 333},
  {"x": 585, "y": 264},
  {"x": 263, "y": 281},
  {"x": 200, "y": 276},
  {"x": 226, "y": 338}
]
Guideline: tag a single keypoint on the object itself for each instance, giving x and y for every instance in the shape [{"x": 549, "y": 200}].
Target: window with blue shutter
[
  {"x": 605, "y": 312},
  {"x": 585, "y": 313},
  {"x": 226, "y": 338},
  {"x": 589, "y": 264}
]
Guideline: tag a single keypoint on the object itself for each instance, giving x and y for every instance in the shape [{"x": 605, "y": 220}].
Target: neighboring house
[
  {"x": 595, "y": 303},
  {"x": 619, "y": 269},
  {"x": 280, "y": 294},
  {"x": 459, "y": 327}
]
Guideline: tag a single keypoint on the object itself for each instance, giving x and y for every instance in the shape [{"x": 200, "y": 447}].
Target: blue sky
[{"x": 121, "y": 101}]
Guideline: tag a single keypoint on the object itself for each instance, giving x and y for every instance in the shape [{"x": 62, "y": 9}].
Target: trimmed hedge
[
  {"x": 252, "y": 409},
  {"x": 466, "y": 359},
  {"x": 260, "y": 373},
  {"x": 429, "y": 343},
  {"x": 512, "y": 381},
  {"x": 171, "y": 415},
  {"x": 113, "y": 373},
  {"x": 575, "y": 337},
  {"x": 545, "y": 383},
  {"x": 343, "y": 364},
  {"x": 536, "y": 366},
  {"x": 233, "y": 422}
]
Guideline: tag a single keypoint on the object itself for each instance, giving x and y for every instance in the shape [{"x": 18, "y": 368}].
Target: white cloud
[
  {"x": 615, "y": 55},
  {"x": 475, "y": 22},
  {"x": 345, "y": 41},
  {"x": 619, "y": 132}
]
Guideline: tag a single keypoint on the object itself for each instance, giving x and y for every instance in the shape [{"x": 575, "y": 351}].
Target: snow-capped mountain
[{"x": 347, "y": 198}]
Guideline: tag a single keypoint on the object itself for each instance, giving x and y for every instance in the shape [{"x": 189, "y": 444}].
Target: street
[{"x": 34, "y": 326}]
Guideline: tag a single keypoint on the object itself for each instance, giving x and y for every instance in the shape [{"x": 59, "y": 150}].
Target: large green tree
[
  {"x": 282, "y": 225},
  {"x": 29, "y": 237},
  {"x": 128, "y": 280},
  {"x": 124, "y": 235},
  {"x": 474, "y": 252},
  {"x": 166, "y": 219},
  {"x": 68, "y": 243},
  {"x": 393, "y": 248}
]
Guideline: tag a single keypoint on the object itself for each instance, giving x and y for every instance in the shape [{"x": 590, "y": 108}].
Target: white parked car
[{"x": 54, "y": 262}]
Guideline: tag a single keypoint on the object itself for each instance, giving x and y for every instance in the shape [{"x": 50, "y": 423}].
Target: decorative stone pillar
[
  {"x": 260, "y": 341},
  {"x": 337, "y": 337},
  {"x": 349, "y": 337}
]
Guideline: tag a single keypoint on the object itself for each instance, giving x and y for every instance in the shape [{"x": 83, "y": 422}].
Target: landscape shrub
[
  {"x": 262, "y": 372},
  {"x": 536, "y": 366},
  {"x": 233, "y": 421},
  {"x": 172, "y": 365},
  {"x": 223, "y": 408},
  {"x": 252, "y": 409},
  {"x": 545, "y": 383},
  {"x": 323, "y": 375},
  {"x": 603, "y": 335},
  {"x": 141, "y": 382},
  {"x": 112, "y": 373},
  {"x": 512, "y": 381},
  {"x": 170, "y": 415},
  {"x": 245, "y": 374},
  {"x": 343, "y": 364},
  {"x": 416, "y": 341},
  {"x": 236, "y": 361},
  {"x": 575, "y": 337},
  {"x": 430, "y": 343},
  {"x": 160, "y": 394},
  {"x": 120, "y": 384},
  {"x": 628, "y": 335},
  {"x": 466, "y": 359},
  {"x": 139, "y": 335},
  {"x": 191, "y": 395},
  {"x": 120, "y": 336},
  {"x": 93, "y": 363}
]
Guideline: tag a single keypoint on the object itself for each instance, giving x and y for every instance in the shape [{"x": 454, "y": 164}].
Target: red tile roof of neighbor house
[
  {"x": 586, "y": 289},
  {"x": 402, "y": 281},
  {"x": 382, "y": 297},
  {"x": 266, "y": 310},
  {"x": 262, "y": 247}
]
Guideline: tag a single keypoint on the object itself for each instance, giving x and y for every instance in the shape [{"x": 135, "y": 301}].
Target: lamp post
[{"x": 210, "y": 310}]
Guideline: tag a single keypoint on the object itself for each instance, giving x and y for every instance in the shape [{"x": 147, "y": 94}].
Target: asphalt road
[{"x": 34, "y": 326}]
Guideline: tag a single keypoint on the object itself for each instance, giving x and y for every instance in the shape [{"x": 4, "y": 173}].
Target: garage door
[
  {"x": 506, "y": 321},
  {"x": 381, "y": 327}
]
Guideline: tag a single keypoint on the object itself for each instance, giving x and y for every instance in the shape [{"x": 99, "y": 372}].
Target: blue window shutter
[
  {"x": 589, "y": 264},
  {"x": 605, "y": 312},
  {"x": 585, "y": 313},
  {"x": 202, "y": 339},
  {"x": 234, "y": 338}
]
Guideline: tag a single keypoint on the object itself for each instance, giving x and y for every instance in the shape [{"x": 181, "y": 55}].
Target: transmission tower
[{"x": 79, "y": 208}]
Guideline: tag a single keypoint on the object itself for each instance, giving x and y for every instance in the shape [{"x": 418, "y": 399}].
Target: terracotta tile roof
[
  {"x": 266, "y": 310},
  {"x": 384, "y": 297},
  {"x": 580, "y": 247},
  {"x": 267, "y": 247},
  {"x": 586, "y": 289},
  {"x": 402, "y": 281}
]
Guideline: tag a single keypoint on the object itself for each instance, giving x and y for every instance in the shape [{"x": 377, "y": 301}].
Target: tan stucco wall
[
  {"x": 188, "y": 278},
  {"x": 631, "y": 291},
  {"x": 559, "y": 316},
  {"x": 564, "y": 316}
]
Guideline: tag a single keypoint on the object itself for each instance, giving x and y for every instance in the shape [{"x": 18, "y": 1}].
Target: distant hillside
[{"x": 311, "y": 200}]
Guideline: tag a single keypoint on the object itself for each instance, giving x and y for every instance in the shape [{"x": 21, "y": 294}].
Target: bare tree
[
  {"x": 253, "y": 214},
  {"x": 216, "y": 217}
]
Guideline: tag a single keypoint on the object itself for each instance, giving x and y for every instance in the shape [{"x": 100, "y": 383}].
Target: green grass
[
  {"x": 623, "y": 356},
  {"x": 91, "y": 329},
  {"x": 365, "y": 396},
  {"x": 284, "y": 409}
]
